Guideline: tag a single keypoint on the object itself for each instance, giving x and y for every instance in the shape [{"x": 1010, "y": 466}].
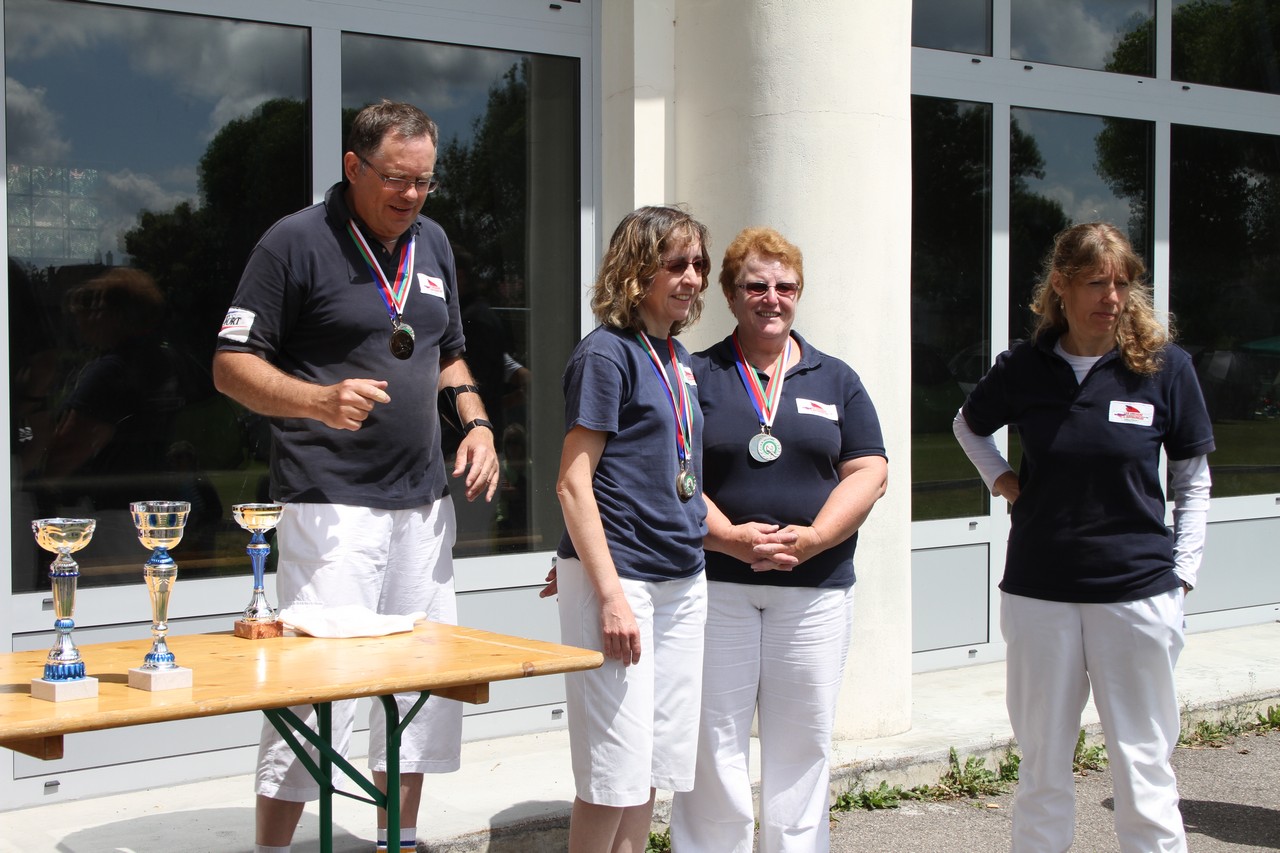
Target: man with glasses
[{"x": 343, "y": 330}]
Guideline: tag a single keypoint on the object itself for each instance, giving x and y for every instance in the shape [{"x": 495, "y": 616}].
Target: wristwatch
[{"x": 472, "y": 424}]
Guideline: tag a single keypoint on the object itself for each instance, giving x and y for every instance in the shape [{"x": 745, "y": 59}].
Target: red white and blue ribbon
[
  {"x": 395, "y": 296},
  {"x": 679, "y": 402},
  {"x": 764, "y": 399}
]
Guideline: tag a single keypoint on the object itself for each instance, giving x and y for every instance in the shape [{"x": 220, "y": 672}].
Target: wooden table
[{"x": 233, "y": 675}]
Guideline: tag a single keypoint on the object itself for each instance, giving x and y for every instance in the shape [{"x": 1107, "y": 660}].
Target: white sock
[
  {"x": 408, "y": 838},
  {"x": 264, "y": 848}
]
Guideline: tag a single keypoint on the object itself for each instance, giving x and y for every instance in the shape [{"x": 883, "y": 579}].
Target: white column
[
  {"x": 795, "y": 115},
  {"x": 637, "y": 106}
]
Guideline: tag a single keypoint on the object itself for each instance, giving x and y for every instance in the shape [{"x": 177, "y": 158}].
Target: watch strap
[{"x": 477, "y": 422}]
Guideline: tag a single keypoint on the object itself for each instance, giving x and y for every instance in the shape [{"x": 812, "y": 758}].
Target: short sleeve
[
  {"x": 1190, "y": 429},
  {"x": 593, "y": 390},
  {"x": 986, "y": 410},
  {"x": 860, "y": 433}
]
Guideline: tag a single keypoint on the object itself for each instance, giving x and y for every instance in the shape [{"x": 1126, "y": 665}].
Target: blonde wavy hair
[
  {"x": 633, "y": 259},
  {"x": 1086, "y": 248}
]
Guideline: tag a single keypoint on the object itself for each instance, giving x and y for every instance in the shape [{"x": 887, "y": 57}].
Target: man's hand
[
  {"x": 347, "y": 404},
  {"x": 477, "y": 458}
]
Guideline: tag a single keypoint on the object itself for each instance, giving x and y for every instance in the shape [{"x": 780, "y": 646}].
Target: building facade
[{"x": 921, "y": 156}]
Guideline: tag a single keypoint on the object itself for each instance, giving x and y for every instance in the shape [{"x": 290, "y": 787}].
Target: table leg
[
  {"x": 290, "y": 726},
  {"x": 324, "y": 722},
  {"x": 395, "y": 733}
]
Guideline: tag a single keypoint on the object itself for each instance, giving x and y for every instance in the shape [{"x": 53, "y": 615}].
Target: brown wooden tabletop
[{"x": 232, "y": 674}]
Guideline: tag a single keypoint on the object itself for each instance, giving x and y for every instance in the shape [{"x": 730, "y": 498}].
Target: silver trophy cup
[
  {"x": 259, "y": 618},
  {"x": 160, "y": 526},
  {"x": 63, "y": 536}
]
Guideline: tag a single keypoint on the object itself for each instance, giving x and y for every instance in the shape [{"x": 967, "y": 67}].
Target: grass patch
[
  {"x": 659, "y": 842},
  {"x": 968, "y": 780},
  {"x": 1088, "y": 758}
]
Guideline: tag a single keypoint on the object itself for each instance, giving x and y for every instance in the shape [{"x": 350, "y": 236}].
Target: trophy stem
[
  {"x": 259, "y": 609},
  {"x": 160, "y": 572},
  {"x": 64, "y": 662}
]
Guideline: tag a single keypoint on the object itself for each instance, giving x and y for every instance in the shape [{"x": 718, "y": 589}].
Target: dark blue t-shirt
[
  {"x": 612, "y": 386},
  {"x": 309, "y": 304},
  {"x": 1088, "y": 525},
  {"x": 825, "y": 417}
]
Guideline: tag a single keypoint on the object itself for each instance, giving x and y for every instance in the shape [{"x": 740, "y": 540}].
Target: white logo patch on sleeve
[
  {"x": 237, "y": 325},
  {"x": 431, "y": 285},
  {"x": 813, "y": 407},
  {"x": 1120, "y": 412}
]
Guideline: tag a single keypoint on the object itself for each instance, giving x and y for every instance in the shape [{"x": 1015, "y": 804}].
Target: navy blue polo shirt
[
  {"x": 309, "y": 304},
  {"x": 825, "y": 417},
  {"x": 612, "y": 386},
  {"x": 1088, "y": 525}
]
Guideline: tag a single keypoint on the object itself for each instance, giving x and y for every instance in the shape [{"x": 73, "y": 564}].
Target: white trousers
[
  {"x": 390, "y": 561},
  {"x": 779, "y": 652},
  {"x": 632, "y": 728},
  {"x": 1126, "y": 653}
]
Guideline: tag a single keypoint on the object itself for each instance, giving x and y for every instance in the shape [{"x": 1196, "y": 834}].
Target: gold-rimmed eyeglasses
[{"x": 426, "y": 186}]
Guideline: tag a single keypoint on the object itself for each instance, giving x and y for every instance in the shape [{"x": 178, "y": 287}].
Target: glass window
[
  {"x": 950, "y": 311},
  {"x": 1067, "y": 168},
  {"x": 1105, "y": 35},
  {"x": 960, "y": 25},
  {"x": 1224, "y": 265},
  {"x": 508, "y": 166},
  {"x": 147, "y": 152},
  {"x": 1233, "y": 43}
]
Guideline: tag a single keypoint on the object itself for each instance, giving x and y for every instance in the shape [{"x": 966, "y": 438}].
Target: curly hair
[
  {"x": 764, "y": 243},
  {"x": 373, "y": 123},
  {"x": 633, "y": 259},
  {"x": 1088, "y": 247}
]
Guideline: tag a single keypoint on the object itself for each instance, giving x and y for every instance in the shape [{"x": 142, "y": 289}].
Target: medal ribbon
[
  {"x": 679, "y": 404},
  {"x": 394, "y": 297},
  {"x": 763, "y": 400}
]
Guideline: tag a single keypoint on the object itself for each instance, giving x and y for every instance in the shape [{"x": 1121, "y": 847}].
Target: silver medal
[{"x": 764, "y": 448}]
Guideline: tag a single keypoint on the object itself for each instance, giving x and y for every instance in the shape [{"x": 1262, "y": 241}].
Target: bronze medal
[
  {"x": 402, "y": 341},
  {"x": 686, "y": 484}
]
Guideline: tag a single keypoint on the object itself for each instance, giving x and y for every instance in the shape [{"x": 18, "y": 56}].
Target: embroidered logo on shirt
[
  {"x": 431, "y": 285},
  {"x": 1120, "y": 412},
  {"x": 237, "y": 325},
  {"x": 686, "y": 373},
  {"x": 813, "y": 407}
]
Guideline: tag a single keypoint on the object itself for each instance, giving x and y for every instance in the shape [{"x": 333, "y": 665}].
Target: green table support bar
[{"x": 291, "y": 726}]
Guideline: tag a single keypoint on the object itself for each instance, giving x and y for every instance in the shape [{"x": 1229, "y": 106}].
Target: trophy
[
  {"x": 159, "y": 526},
  {"x": 259, "y": 619},
  {"x": 64, "y": 676}
]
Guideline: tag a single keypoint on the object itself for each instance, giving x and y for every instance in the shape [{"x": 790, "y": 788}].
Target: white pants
[
  {"x": 1126, "y": 652},
  {"x": 778, "y": 651},
  {"x": 632, "y": 728},
  {"x": 391, "y": 561}
]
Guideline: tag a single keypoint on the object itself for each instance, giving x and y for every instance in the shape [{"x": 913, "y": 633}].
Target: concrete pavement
[{"x": 513, "y": 794}]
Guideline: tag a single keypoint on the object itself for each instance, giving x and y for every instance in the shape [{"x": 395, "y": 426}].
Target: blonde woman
[
  {"x": 1093, "y": 587},
  {"x": 630, "y": 566}
]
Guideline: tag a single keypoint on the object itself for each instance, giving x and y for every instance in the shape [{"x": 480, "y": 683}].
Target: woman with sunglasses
[
  {"x": 629, "y": 569},
  {"x": 793, "y": 463}
]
